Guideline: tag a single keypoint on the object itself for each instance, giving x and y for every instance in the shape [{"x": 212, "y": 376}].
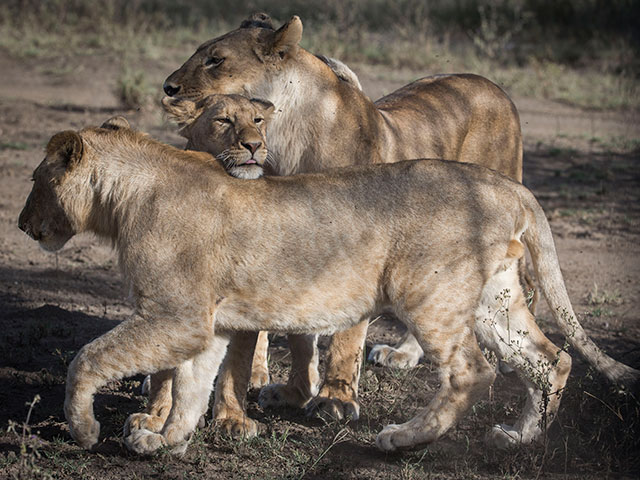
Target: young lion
[
  {"x": 308, "y": 264},
  {"x": 231, "y": 127}
]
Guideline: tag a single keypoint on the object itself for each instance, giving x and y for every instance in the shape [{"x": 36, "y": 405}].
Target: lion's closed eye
[{"x": 213, "y": 61}]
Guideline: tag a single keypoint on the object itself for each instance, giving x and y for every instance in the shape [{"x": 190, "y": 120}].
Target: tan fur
[
  {"x": 230, "y": 127},
  {"x": 321, "y": 121},
  {"x": 308, "y": 264},
  {"x": 515, "y": 249}
]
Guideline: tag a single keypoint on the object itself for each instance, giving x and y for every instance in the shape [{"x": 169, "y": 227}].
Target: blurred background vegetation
[{"x": 584, "y": 52}]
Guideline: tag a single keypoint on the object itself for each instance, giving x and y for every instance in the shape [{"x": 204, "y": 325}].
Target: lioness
[
  {"x": 320, "y": 122},
  {"x": 444, "y": 258}
]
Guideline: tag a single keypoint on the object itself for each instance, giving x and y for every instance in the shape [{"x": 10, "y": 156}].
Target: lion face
[
  {"x": 230, "y": 127},
  {"x": 43, "y": 217},
  {"x": 59, "y": 204},
  {"x": 237, "y": 62}
]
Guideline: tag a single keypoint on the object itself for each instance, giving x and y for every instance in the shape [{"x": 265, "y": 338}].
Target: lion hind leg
[
  {"x": 528, "y": 285},
  {"x": 505, "y": 325},
  {"x": 465, "y": 375}
]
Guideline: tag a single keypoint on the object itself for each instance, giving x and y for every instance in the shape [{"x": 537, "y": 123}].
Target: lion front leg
[
  {"x": 229, "y": 410},
  {"x": 338, "y": 397},
  {"x": 191, "y": 388},
  {"x": 135, "y": 346},
  {"x": 157, "y": 411},
  {"x": 260, "y": 365},
  {"x": 302, "y": 384}
]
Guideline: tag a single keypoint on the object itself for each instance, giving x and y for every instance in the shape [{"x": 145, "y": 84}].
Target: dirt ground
[{"x": 582, "y": 165}]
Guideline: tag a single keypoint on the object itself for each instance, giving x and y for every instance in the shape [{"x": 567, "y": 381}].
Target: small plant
[
  {"x": 133, "y": 88},
  {"x": 604, "y": 297},
  {"x": 64, "y": 357},
  {"x": 13, "y": 146},
  {"x": 29, "y": 447},
  {"x": 339, "y": 437},
  {"x": 496, "y": 32},
  {"x": 537, "y": 372}
]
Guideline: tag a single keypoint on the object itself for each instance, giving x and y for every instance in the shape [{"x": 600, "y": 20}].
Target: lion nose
[
  {"x": 252, "y": 146},
  {"x": 25, "y": 226},
  {"x": 170, "y": 89}
]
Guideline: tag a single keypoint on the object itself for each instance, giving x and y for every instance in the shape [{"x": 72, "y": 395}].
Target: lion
[
  {"x": 321, "y": 120},
  {"x": 231, "y": 127},
  {"x": 444, "y": 258}
]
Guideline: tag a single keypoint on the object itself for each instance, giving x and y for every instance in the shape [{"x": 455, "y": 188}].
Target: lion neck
[
  {"x": 304, "y": 106},
  {"x": 130, "y": 174}
]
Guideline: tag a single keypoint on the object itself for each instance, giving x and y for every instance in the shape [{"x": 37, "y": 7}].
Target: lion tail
[{"x": 539, "y": 240}]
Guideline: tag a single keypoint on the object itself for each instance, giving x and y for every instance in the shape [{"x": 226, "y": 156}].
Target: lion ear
[
  {"x": 287, "y": 37},
  {"x": 265, "y": 106},
  {"x": 258, "y": 20},
  {"x": 183, "y": 112},
  {"x": 116, "y": 123},
  {"x": 66, "y": 147}
]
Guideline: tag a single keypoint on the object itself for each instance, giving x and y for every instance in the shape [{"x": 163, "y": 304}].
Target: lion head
[
  {"x": 44, "y": 217},
  {"x": 230, "y": 127},
  {"x": 234, "y": 62},
  {"x": 243, "y": 60},
  {"x": 56, "y": 207}
]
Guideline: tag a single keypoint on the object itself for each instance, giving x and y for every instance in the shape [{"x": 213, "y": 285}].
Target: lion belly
[{"x": 315, "y": 309}]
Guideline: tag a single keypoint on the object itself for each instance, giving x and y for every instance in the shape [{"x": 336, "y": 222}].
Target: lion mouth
[{"x": 251, "y": 161}]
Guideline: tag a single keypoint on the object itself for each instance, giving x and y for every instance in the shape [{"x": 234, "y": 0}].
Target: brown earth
[{"x": 583, "y": 167}]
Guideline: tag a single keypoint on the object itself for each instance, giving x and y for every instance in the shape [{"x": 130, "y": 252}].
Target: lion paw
[
  {"x": 281, "y": 395},
  {"x": 239, "y": 427},
  {"x": 85, "y": 433},
  {"x": 144, "y": 441},
  {"x": 388, "y": 356},
  {"x": 503, "y": 437},
  {"x": 202, "y": 421},
  {"x": 393, "y": 437},
  {"x": 143, "y": 421},
  {"x": 333, "y": 408},
  {"x": 259, "y": 379}
]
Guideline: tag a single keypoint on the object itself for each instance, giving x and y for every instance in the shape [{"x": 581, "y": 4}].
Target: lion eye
[
  {"x": 213, "y": 62},
  {"x": 223, "y": 120},
  {"x": 258, "y": 120}
]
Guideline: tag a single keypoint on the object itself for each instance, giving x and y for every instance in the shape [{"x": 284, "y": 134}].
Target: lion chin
[
  {"x": 53, "y": 244},
  {"x": 247, "y": 172}
]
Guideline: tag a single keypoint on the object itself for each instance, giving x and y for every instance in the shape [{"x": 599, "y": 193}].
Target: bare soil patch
[{"x": 583, "y": 167}]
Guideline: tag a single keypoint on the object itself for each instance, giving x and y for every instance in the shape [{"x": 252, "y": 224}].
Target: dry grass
[
  {"x": 595, "y": 435},
  {"x": 498, "y": 41}
]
